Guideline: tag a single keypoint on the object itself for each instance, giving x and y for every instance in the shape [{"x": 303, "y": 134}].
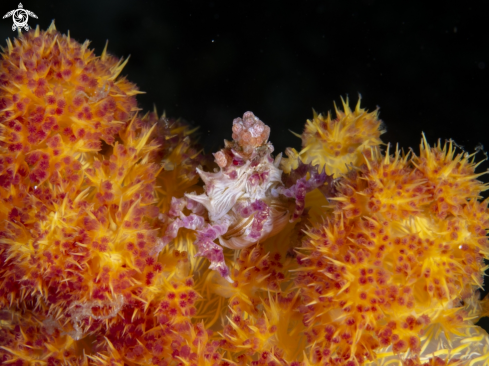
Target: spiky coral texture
[
  {"x": 397, "y": 258},
  {"x": 88, "y": 189},
  {"x": 336, "y": 143},
  {"x": 78, "y": 224}
]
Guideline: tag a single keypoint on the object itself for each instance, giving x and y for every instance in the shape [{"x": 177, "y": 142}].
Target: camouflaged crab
[{"x": 246, "y": 201}]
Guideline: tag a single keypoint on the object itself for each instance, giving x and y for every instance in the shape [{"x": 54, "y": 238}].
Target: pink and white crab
[{"x": 246, "y": 201}]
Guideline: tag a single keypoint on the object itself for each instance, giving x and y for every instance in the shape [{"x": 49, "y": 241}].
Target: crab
[{"x": 246, "y": 201}]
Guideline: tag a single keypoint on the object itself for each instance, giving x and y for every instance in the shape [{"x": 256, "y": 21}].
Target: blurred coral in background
[{"x": 121, "y": 242}]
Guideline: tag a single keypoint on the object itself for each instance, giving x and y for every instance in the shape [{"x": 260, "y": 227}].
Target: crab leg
[
  {"x": 300, "y": 186},
  {"x": 261, "y": 211},
  {"x": 206, "y": 233}
]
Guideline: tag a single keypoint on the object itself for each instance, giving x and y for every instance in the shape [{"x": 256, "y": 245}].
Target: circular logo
[{"x": 20, "y": 17}]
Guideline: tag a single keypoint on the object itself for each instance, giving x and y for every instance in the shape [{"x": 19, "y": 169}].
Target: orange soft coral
[
  {"x": 58, "y": 102},
  {"x": 378, "y": 266},
  {"x": 386, "y": 268},
  {"x": 178, "y": 154},
  {"x": 78, "y": 223},
  {"x": 58, "y": 99},
  {"x": 336, "y": 143}
]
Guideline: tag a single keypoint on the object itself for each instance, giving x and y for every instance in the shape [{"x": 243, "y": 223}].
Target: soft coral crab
[{"x": 246, "y": 200}]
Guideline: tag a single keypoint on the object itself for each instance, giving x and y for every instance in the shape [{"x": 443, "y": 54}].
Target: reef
[{"x": 123, "y": 243}]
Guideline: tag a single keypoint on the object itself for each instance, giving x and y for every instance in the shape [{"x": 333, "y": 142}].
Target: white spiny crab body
[
  {"x": 232, "y": 192},
  {"x": 247, "y": 200}
]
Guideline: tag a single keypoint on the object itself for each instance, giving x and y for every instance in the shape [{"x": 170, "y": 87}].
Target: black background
[{"x": 425, "y": 66}]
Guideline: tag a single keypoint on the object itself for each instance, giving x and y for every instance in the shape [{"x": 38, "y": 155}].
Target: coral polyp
[
  {"x": 335, "y": 143},
  {"x": 123, "y": 243},
  {"x": 387, "y": 268}
]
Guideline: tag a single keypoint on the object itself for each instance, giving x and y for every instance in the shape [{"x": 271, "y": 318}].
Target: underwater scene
[{"x": 136, "y": 235}]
